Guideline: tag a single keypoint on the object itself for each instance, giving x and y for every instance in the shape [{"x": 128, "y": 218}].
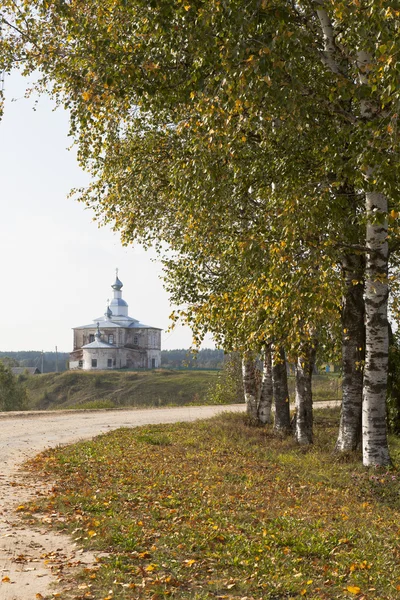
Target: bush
[
  {"x": 228, "y": 389},
  {"x": 393, "y": 395},
  {"x": 12, "y": 392}
]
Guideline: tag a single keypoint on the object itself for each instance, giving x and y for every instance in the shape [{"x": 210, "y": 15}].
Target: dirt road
[{"x": 32, "y": 560}]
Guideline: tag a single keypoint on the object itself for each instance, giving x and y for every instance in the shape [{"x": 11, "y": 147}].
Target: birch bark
[
  {"x": 266, "y": 396},
  {"x": 250, "y": 386},
  {"x": 375, "y": 446},
  {"x": 303, "y": 400},
  {"x": 353, "y": 353},
  {"x": 281, "y": 393},
  {"x": 374, "y": 427}
]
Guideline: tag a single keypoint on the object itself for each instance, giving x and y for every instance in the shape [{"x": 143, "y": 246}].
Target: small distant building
[
  {"x": 116, "y": 340},
  {"x": 328, "y": 368},
  {"x": 25, "y": 371}
]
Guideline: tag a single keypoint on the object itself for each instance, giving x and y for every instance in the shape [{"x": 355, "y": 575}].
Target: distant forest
[{"x": 204, "y": 359}]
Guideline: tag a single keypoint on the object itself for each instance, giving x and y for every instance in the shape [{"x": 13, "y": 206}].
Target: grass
[
  {"x": 161, "y": 387},
  {"x": 114, "y": 389},
  {"x": 215, "y": 509}
]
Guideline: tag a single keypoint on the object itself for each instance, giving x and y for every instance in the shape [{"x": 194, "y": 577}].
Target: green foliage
[
  {"x": 9, "y": 361},
  {"x": 218, "y": 509},
  {"x": 228, "y": 387},
  {"x": 205, "y": 358},
  {"x": 33, "y": 358},
  {"x": 393, "y": 394},
  {"x": 12, "y": 392}
]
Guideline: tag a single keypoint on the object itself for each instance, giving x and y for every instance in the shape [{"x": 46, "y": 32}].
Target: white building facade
[{"x": 116, "y": 340}]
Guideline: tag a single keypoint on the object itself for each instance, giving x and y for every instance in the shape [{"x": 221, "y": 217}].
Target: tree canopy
[{"x": 256, "y": 139}]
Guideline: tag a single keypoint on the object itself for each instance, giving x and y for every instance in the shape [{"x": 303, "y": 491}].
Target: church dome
[{"x": 117, "y": 285}]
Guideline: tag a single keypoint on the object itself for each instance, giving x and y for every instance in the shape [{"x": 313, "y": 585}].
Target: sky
[{"x": 57, "y": 266}]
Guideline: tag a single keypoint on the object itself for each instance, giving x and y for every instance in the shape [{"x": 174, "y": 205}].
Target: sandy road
[{"x": 33, "y": 560}]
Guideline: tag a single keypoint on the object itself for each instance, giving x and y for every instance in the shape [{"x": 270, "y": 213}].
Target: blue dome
[
  {"x": 117, "y": 285},
  {"x": 118, "y": 302}
]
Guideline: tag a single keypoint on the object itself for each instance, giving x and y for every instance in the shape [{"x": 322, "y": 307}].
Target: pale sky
[{"x": 56, "y": 265}]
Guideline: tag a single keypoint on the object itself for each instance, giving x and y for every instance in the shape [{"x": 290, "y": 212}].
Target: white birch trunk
[
  {"x": 266, "y": 396},
  {"x": 303, "y": 399},
  {"x": 375, "y": 446},
  {"x": 353, "y": 354},
  {"x": 250, "y": 386},
  {"x": 281, "y": 393},
  {"x": 374, "y": 428}
]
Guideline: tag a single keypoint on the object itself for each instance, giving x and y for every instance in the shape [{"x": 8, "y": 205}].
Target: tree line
[
  {"x": 206, "y": 358},
  {"x": 46, "y": 362},
  {"x": 254, "y": 144}
]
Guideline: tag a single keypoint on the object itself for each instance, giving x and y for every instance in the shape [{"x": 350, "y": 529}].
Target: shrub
[
  {"x": 393, "y": 395},
  {"x": 12, "y": 392},
  {"x": 228, "y": 388}
]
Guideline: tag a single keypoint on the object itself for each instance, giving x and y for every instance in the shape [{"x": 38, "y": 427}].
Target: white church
[{"x": 116, "y": 340}]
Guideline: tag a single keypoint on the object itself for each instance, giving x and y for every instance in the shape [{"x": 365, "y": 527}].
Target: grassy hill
[
  {"x": 162, "y": 387},
  {"x": 113, "y": 389}
]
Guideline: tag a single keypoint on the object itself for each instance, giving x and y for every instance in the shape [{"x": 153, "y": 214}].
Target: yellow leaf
[
  {"x": 353, "y": 589},
  {"x": 6, "y": 580},
  {"x": 394, "y": 214},
  {"x": 190, "y": 562},
  {"x": 244, "y": 138},
  {"x": 150, "y": 568},
  {"x": 86, "y": 96},
  {"x": 187, "y": 7},
  {"x": 91, "y": 533}
]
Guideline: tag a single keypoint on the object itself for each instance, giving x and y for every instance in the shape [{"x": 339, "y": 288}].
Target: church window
[
  {"x": 80, "y": 364},
  {"x": 94, "y": 363},
  {"x": 91, "y": 338},
  {"x": 135, "y": 340},
  {"x": 109, "y": 362},
  {"x": 111, "y": 338}
]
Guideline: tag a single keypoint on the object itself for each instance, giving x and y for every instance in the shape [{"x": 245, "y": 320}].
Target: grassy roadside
[{"x": 215, "y": 509}]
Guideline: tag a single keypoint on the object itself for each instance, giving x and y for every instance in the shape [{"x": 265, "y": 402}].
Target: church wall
[
  {"x": 153, "y": 359},
  {"x": 120, "y": 357},
  {"x": 134, "y": 338},
  {"x": 82, "y": 336},
  {"x": 151, "y": 339},
  {"x": 101, "y": 356}
]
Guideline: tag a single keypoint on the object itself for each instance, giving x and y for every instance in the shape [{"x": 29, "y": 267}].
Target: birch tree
[
  {"x": 266, "y": 393},
  {"x": 220, "y": 77}
]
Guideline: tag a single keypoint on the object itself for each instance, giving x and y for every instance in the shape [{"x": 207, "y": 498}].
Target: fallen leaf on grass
[
  {"x": 189, "y": 562},
  {"x": 353, "y": 589}
]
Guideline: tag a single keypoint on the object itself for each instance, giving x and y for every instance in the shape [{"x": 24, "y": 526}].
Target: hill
[{"x": 113, "y": 389}]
